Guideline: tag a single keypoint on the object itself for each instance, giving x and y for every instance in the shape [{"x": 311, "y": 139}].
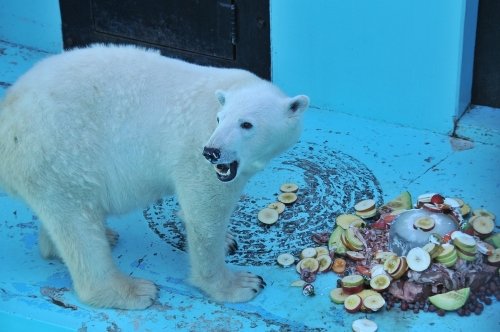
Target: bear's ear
[
  {"x": 221, "y": 97},
  {"x": 298, "y": 104}
]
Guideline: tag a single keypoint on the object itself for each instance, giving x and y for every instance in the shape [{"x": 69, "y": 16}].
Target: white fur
[{"x": 103, "y": 130}]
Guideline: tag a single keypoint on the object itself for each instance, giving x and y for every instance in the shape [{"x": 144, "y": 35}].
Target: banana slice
[{"x": 268, "y": 216}]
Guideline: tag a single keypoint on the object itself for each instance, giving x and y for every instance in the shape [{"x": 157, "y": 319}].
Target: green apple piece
[
  {"x": 338, "y": 296},
  {"x": 466, "y": 256},
  {"x": 335, "y": 243},
  {"x": 452, "y": 300},
  {"x": 353, "y": 240},
  {"x": 449, "y": 261},
  {"x": 345, "y": 220},
  {"x": 353, "y": 280},
  {"x": 401, "y": 202},
  {"x": 494, "y": 240},
  {"x": 448, "y": 250}
]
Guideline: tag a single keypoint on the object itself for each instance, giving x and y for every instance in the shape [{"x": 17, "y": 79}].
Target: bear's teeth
[{"x": 223, "y": 169}]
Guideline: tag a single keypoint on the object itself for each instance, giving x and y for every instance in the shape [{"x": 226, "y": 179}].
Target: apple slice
[
  {"x": 466, "y": 256},
  {"x": 286, "y": 260},
  {"x": 465, "y": 210},
  {"x": 287, "y": 198},
  {"x": 289, "y": 188},
  {"x": 494, "y": 259},
  {"x": 380, "y": 282},
  {"x": 310, "y": 264},
  {"x": 278, "y": 206},
  {"x": 494, "y": 240},
  {"x": 425, "y": 198},
  {"x": 448, "y": 250},
  {"x": 391, "y": 264},
  {"x": 377, "y": 269},
  {"x": 338, "y": 296},
  {"x": 424, "y": 223},
  {"x": 352, "y": 284},
  {"x": 464, "y": 241},
  {"x": 322, "y": 251},
  {"x": 374, "y": 302},
  {"x": 268, "y": 216},
  {"x": 335, "y": 242},
  {"x": 364, "y": 325},
  {"x": 451, "y": 300},
  {"x": 433, "y": 249},
  {"x": 483, "y": 213},
  {"x": 298, "y": 283},
  {"x": 418, "y": 259},
  {"x": 365, "y": 205},
  {"x": 308, "y": 253},
  {"x": 382, "y": 256},
  {"x": 352, "y": 280},
  {"x": 325, "y": 261},
  {"x": 402, "y": 268},
  {"x": 483, "y": 226},
  {"x": 367, "y": 214},
  {"x": 345, "y": 220},
  {"x": 354, "y": 255},
  {"x": 449, "y": 255},
  {"x": 432, "y": 208},
  {"x": 352, "y": 303},
  {"x": 353, "y": 240},
  {"x": 365, "y": 293}
]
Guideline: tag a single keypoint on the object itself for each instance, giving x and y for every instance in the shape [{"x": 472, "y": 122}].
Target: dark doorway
[
  {"x": 486, "y": 80},
  {"x": 224, "y": 33}
]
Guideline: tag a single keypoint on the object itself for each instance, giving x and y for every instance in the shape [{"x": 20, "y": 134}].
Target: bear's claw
[{"x": 231, "y": 244}]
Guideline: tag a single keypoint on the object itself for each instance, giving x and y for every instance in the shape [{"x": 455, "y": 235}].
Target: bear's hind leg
[{"x": 80, "y": 239}]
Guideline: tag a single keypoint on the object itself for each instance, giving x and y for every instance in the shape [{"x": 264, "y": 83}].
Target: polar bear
[{"x": 102, "y": 130}]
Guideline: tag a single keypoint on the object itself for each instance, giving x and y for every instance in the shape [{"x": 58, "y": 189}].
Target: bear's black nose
[{"x": 212, "y": 154}]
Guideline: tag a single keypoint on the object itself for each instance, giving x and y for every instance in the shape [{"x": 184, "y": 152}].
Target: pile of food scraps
[{"x": 457, "y": 271}]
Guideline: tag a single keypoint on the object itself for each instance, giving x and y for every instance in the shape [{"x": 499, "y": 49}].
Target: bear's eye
[
  {"x": 246, "y": 125},
  {"x": 218, "y": 120}
]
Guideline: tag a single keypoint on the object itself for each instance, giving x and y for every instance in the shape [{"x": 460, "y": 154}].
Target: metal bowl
[{"x": 403, "y": 236}]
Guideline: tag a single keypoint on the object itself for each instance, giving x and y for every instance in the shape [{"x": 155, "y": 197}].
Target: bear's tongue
[{"x": 226, "y": 172}]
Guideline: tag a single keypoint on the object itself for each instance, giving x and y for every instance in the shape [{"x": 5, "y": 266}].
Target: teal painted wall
[
  {"x": 32, "y": 23},
  {"x": 391, "y": 60},
  {"x": 403, "y": 61}
]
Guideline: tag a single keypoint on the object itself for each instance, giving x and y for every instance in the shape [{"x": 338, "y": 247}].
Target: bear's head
[{"x": 255, "y": 124}]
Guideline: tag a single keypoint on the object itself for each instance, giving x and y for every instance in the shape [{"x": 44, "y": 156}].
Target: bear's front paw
[
  {"x": 236, "y": 287},
  {"x": 121, "y": 293}
]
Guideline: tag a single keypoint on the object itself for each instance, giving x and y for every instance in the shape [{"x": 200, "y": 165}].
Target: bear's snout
[{"x": 211, "y": 154}]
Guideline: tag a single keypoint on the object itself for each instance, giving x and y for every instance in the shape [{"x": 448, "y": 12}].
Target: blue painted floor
[{"x": 340, "y": 160}]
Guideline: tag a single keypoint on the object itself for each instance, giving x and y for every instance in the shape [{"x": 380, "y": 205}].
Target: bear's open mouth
[{"x": 226, "y": 172}]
